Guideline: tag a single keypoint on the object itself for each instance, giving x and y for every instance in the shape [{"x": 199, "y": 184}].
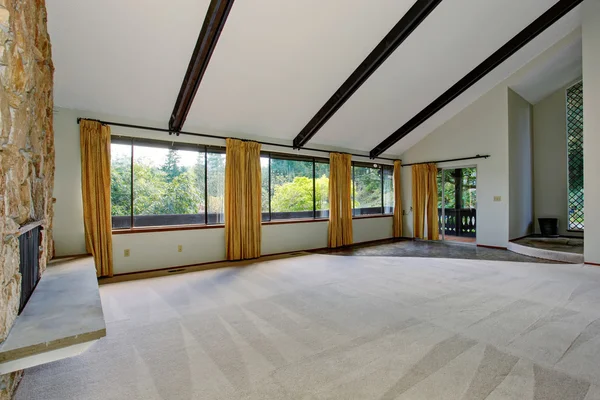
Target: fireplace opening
[{"x": 29, "y": 249}]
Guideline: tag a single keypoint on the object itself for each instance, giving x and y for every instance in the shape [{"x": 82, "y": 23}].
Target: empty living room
[{"x": 341, "y": 199}]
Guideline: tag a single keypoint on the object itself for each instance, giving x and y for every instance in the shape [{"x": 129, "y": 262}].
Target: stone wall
[{"x": 26, "y": 146}]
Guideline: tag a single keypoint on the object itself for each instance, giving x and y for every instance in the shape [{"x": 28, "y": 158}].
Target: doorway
[{"x": 457, "y": 204}]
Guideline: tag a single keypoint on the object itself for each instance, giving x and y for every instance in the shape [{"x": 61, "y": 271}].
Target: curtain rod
[
  {"x": 151, "y": 128},
  {"x": 451, "y": 159}
]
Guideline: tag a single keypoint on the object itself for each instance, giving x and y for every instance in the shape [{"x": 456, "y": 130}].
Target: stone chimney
[{"x": 26, "y": 148}]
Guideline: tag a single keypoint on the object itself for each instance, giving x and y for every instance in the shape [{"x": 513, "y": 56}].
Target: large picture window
[
  {"x": 156, "y": 183},
  {"x": 575, "y": 156},
  {"x": 372, "y": 189},
  {"x": 294, "y": 187}
]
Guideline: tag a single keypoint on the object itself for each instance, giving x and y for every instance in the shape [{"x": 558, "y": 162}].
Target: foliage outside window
[
  {"x": 372, "y": 189},
  {"x": 575, "y": 156},
  {"x": 294, "y": 187},
  {"x": 168, "y": 186}
]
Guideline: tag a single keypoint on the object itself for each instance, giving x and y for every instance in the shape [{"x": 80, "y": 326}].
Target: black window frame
[
  {"x": 267, "y": 217},
  {"x": 188, "y": 219},
  {"x": 383, "y": 168}
]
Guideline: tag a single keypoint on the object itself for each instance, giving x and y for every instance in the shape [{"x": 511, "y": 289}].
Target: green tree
[
  {"x": 171, "y": 166},
  {"x": 298, "y": 195},
  {"x": 120, "y": 186}
]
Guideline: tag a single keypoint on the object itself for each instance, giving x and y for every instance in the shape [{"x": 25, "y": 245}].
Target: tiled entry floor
[{"x": 435, "y": 249}]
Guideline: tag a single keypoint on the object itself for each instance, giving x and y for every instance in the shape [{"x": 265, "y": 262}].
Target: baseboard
[
  {"x": 593, "y": 264},
  {"x": 153, "y": 273},
  {"x": 71, "y": 256},
  {"x": 492, "y": 247}
]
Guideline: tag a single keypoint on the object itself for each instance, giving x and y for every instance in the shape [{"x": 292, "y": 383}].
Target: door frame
[{"x": 444, "y": 200}]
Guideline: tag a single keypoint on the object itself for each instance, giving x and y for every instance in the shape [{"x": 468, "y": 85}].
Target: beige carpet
[{"x": 329, "y": 327}]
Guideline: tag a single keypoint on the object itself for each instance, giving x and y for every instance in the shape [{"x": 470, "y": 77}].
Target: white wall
[
  {"x": 520, "y": 166},
  {"x": 550, "y": 160},
  {"x": 591, "y": 128},
  {"x": 481, "y": 128},
  {"x": 159, "y": 249}
]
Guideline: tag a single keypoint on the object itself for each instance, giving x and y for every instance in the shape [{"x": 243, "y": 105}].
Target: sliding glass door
[{"x": 457, "y": 203}]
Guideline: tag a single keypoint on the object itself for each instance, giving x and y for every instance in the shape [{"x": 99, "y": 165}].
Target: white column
[{"x": 591, "y": 128}]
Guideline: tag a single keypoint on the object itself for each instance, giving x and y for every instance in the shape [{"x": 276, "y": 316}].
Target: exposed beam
[
  {"x": 402, "y": 30},
  {"x": 217, "y": 13},
  {"x": 538, "y": 26}
]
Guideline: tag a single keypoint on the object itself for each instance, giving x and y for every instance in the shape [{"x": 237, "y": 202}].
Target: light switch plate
[
  {"x": 179, "y": 248},
  {"x": 126, "y": 253},
  {"x": 497, "y": 198}
]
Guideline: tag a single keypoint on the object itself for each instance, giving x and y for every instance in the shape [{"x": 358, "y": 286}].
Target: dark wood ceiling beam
[
  {"x": 538, "y": 26},
  {"x": 215, "y": 19},
  {"x": 402, "y": 30}
]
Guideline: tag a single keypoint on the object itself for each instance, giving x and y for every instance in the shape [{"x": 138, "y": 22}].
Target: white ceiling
[
  {"x": 562, "y": 66},
  {"x": 120, "y": 57},
  {"x": 277, "y": 62}
]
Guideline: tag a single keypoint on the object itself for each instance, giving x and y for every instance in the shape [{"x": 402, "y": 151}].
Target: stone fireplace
[{"x": 26, "y": 149}]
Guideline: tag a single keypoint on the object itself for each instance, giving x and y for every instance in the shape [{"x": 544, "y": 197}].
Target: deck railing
[{"x": 458, "y": 222}]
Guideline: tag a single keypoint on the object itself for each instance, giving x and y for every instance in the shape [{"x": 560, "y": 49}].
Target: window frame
[
  {"x": 168, "y": 145},
  {"x": 381, "y": 168},
  {"x": 292, "y": 157},
  {"x": 567, "y": 134}
]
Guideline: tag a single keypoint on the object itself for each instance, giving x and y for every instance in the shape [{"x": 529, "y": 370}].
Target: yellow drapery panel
[
  {"x": 433, "y": 232},
  {"x": 397, "y": 199},
  {"x": 95, "y": 187},
  {"x": 340, "y": 201},
  {"x": 242, "y": 200},
  {"x": 419, "y": 196},
  {"x": 425, "y": 199}
]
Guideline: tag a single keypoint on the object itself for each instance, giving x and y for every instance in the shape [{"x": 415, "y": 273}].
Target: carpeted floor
[{"x": 326, "y": 327}]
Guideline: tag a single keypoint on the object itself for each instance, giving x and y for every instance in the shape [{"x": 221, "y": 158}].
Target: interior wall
[
  {"x": 159, "y": 249},
  {"x": 550, "y": 160},
  {"x": 520, "y": 164},
  {"x": 481, "y": 128},
  {"x": 591, "y": 128}
]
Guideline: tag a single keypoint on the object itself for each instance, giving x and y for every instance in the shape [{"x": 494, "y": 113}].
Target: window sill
[
  {"x": 373, "y": 216},
  {"x": 294, "y": 221},
  {"x": 168, "y": 228}
]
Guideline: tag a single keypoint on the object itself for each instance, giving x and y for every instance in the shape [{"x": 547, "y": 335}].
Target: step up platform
[{"x": 63, "y": 317}]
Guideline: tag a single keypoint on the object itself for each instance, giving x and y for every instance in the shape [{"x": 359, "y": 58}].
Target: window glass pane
[
  {"x": 388, "y": 190},
  {"x": 291, "y": 189},
  {"x": 367, "y": 190},
  {"x": 264, "y": 168},
  {"x": 322, "y": 190},
  {"x": 216, "y": 187},
  {"x": 469, "y": 188},
  {"x": 166, "y": 188},
  {"x": 120, "y": 185},
  {"x": 575, "y": 155}
]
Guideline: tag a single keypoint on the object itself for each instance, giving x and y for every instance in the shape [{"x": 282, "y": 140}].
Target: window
[
  {"x": 575, "y": 156},
  {"x": 294, "y": 187},
  {"x": 157, "y": 183},
  {"x": 372, "y": 189}
]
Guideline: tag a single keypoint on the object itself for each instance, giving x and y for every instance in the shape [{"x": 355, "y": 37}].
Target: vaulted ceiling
[{"x": 277, "y": 62}]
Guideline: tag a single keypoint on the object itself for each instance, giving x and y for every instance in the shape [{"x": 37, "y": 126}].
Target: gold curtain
[
  {"x": 242, "y": 200},
  {"x": 95, "y": 187},
  {"x": 340, "y": 200},
  {"x": 433, "y": 232},
  {"x": 397, "y": 199},
  {"x": 425, "y": 199}
]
